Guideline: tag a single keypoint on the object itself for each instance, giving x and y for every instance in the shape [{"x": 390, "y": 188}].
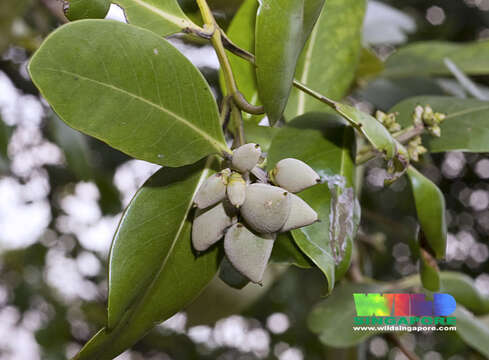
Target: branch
[{"x": 397, "y": 343}]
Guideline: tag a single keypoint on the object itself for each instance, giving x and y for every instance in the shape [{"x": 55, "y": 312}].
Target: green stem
[{"x": 217, "y": 43}]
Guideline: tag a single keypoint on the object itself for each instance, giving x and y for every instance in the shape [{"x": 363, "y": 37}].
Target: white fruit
[
  {"x": 246, "y": 157},
  {"x": 212, "y": 190},
  {"x": 210, "y": 226},
  {"x": 294, "y": 175},
  {"x": 248, "y": 252},
  {"x": 236, "y": 189},
  {"x": 266, "y": 207},
  {"x": 301, "y": 214}
]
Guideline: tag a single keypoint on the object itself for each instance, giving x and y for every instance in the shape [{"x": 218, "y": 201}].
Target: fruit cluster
[{"x": 241, "y": 206}]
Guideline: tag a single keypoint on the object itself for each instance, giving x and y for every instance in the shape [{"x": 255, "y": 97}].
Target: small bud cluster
[
  {"x": 388, "y": 120},
  {"x": 415, "y": 148},
  {"x": 430, "y": 119},
  {"x": 249, "y": 213}
]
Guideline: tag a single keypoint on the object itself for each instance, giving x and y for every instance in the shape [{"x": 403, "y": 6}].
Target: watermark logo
[{"x": 404, "y": 312}]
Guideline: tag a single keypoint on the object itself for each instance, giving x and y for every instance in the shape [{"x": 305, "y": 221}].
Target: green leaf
[
  {"x": 463, "y": 289},
  {"x": 426, "y": 58},
  {"x": 129, "y": 88},
  {"x": 162, "y": 17},
  {"x": 282, "y": 29},
  {"x": 87, "y": 9},
  {"x": 285, "y": 251},
  {"x": 430, "y": 208},
  {"x": 464, "y": 129},
  {"x": 325, "y": 143},
  {"x": 369, "y": 66},
  {"x": 473, "y": 331},
  {"x": 332, "y": 319},
  {"x": 153, "y": 272},
  {"x": 428, "y": 271},
  {"x": 330, "y": 56},
  {"x": 258, "y": 134}
]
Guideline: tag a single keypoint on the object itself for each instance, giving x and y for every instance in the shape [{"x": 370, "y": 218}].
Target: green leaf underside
[
  {"x": 125, "y": 86},
  {"x": 162, "y": 17},
  {"x": 325, "y": 143},
  {"x": 87, "y": 9},
  {"x": 430, "y": 208},
  {"x": 153, "y": 271},
  {"x": 282, "y": 28},
  {"x": 473, "y": 331},
  {"x": 426, "y": 58},
  {"x": 462, "y": 288},
  {"x": 464, "y": 129},
  {"x": 329, "y": 56}
]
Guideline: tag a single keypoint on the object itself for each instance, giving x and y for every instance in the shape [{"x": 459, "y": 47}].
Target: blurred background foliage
[{"x": 62, "y": 193}]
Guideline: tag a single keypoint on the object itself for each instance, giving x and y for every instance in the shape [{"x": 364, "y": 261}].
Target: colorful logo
[
  {"x": 401, "y": 312},
  {"x": 403, "y": 305}
]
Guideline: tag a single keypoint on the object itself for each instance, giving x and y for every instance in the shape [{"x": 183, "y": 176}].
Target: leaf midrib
[{"x": 215, "y": 143}]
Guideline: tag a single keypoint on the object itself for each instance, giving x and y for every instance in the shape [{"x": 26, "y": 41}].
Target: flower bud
[
  {"x": 301, "y": 214},
  {"x": 265, "y": 208},
  {"x": 294, "y": 175},
  {"x": 236, "y": 189},
  {"x": 209, "y": 227},
  {"x": 212, "y": 190},
  {"x": 248, "y": 252},
  {"x": 246, "y": 157}
]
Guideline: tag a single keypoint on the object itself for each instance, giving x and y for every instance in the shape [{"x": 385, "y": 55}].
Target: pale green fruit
[
  {"x": 294, "y": 175},
  {"x": 266, "y": 207},
  {"x": 236, "y": 189},
  {"x": 208, "y": 227},
  {"x": 301, "y": 214},
  {"x": 212, "y": 190},
  {"x": 246, "y": 157},
  {"x": 248, "y": 252}
]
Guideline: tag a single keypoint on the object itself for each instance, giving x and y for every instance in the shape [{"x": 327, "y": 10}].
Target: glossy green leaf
[
  {"x": 153, "y": 271},
  {"x": 464, "y": 129},
  {"x": 325, "y": 143},
  {"x": 328, "y": 61},
  {"x": 332, "y": 318},
  {"x": 242, "y": 32},
  {"x": 129, "y": 88},
  {"x": 428, "y": 271},
  {"x": 87, "y": 9},
  {"x": 473, "y": 331},
  {"x": 282, "y": 29},
  {"x": 162, "y": 17},
  {"x": 426, "y": 58},
  {"x": 463, "y": 289},
  {"x": 286, "y": 251},
  {"x": 430, "y": 208}
]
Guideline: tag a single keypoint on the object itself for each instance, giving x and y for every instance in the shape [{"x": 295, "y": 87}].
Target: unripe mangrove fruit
[
  {"x": 294, "y": 175},
  {"x": 212, "y": 190},
  {"x": 301, "y": 214},
  {"x": 246, "y": 157},
  {"x": 248, "y": 252},
  {"x": 236, "y": 189},
  {"x": 265, "y": 208},
  {"x": 86, "y": 9},
  {"x": 210, "y": 226}
]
